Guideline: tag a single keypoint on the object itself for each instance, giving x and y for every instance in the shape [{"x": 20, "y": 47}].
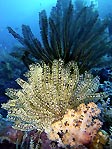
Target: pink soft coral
[{"x": 77, "y": 127}]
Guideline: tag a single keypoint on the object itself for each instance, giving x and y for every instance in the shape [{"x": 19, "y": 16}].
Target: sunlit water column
[{"x": 93, "y": 2}]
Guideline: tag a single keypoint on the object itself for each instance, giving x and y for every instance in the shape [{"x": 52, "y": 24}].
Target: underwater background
[
  {"x": 15, "y": 13},
  {"x": 55, "y": 74}
]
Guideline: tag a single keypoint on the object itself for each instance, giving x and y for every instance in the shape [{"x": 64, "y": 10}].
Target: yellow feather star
[{"x": 48, "y": 93}]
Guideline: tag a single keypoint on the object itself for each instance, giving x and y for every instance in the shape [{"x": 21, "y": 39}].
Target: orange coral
[{"x": 77, "y": 127}]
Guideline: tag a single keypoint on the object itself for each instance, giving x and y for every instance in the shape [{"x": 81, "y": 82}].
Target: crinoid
[{"x": 48, "y": 93}]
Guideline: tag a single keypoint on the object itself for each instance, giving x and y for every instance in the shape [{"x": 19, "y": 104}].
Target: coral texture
[
  {"x": 77, "y": 127},
  {"x": 48, "y": 93},
  {"x": 100, "y": 140}
]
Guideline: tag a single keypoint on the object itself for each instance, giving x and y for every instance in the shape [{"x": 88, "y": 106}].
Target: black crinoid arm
[{"x": 71, "y": 32}]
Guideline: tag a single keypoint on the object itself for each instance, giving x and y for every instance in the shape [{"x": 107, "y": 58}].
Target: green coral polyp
[{"x": 48, "y": 93}]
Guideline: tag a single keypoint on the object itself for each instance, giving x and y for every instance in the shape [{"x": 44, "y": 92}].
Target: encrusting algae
[{"x": 49, "y": 93}]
